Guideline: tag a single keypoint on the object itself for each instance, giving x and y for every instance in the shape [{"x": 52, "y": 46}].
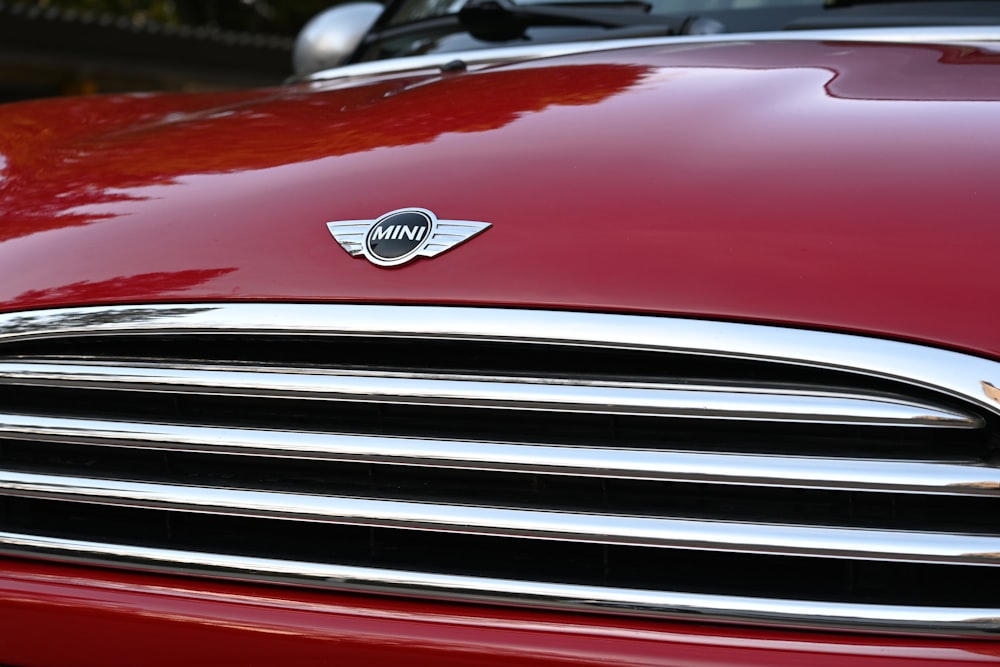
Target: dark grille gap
[
  {"x": 451, "y": 356},
  {"x": 498, "y": 425},
  {"x": 502, "y": 489},
  {"x": 540, "y": 560}
]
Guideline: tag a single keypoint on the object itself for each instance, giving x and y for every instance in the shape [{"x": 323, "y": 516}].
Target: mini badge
[{"x": 402, "y": 236}]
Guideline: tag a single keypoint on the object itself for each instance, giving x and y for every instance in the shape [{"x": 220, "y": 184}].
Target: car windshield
[
  {"x": 412, "y": 10},
  {"x": 413, "y": 27}
]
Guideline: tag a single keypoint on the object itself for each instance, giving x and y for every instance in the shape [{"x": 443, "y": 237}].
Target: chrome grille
[{"x": 624, "y": 464}]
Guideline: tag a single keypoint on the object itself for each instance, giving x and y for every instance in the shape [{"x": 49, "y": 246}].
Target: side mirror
[{"x": 330, "y": 37}]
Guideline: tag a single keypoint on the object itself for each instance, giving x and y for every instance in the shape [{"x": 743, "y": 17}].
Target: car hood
[{"x": 844, "y": 186}]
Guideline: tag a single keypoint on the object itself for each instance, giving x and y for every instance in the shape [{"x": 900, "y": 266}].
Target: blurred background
[{"x": 70, "y": 47}]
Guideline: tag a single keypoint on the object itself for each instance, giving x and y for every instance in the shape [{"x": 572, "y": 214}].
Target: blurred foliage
[{"x": 281, "y": 17}]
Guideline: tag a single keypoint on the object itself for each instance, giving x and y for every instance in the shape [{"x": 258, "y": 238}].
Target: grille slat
[
  {"x": 602, "y": 599},
  {"x": 536, "y": 524},
  {"x": 512, "y": 392},
  {"x": 951, "y": 477},
  {"x": 623, "y": 464}
]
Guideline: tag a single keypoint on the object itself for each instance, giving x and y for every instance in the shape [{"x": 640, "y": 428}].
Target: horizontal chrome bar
[
  {"x": 743, "y": 537},
  {"x": 956, "y": 374},
  {"x": 937, "y": 621},
  {"x": 929, "y": 477},
  {"x": 511, "y": 393}
]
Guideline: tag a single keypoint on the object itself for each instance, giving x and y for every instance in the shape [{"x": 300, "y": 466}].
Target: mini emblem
[{"x": 402, "y": 236}]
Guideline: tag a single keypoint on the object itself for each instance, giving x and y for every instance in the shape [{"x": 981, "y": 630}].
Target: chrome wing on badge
[{"x": 402, "y": 235}]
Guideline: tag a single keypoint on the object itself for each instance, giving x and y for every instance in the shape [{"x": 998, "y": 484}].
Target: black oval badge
[
  {"x": 402, "y": 236},
  {"x": 397, "y": 235}
]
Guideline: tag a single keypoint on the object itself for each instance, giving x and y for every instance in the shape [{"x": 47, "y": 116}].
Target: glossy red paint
[
  {"x": 837, "y": 185},
  {"x": 54, "y": 616}
]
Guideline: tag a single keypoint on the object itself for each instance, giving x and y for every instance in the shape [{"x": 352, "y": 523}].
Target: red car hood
[{"x": 835, "y": 185}]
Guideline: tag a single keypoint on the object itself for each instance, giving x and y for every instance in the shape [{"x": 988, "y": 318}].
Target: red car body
[{"x": 840, "y": 186}]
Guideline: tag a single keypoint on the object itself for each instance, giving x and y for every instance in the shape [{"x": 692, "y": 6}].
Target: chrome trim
[
  {"x": 959, "y": 375},
  {"x": 511, "y": 393},
  {"x": 936, "y": 621},
  {"x": 442, "y": 235},
  {"x": 898, "y": 476},
  {"x": 513, "y": 54},
  {"x": 682, "y": 533}
]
